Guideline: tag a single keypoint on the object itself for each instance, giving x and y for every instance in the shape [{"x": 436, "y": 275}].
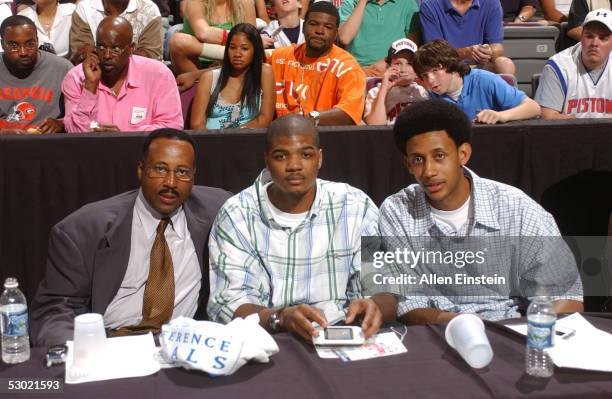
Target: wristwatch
[
  {"x": 314, "y": 115},
  {"x": 274, "y": 321},
  {"x": 522, "y": 18}
]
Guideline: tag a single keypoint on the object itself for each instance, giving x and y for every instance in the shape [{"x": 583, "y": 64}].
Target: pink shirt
[{"x": 148, "y": 99}]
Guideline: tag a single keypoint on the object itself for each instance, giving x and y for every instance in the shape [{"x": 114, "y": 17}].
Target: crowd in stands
[{"x": 99, "y": 65}]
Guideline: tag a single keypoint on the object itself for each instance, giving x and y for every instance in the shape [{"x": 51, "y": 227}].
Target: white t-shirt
[
  {"x": 291, "y": 220},
  {"x": 453, "y": 219}
]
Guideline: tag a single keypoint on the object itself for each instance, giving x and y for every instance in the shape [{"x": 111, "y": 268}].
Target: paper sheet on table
[
  {"x": 132, "y": 356},
  {"x": 572, "y": 322},
  {"x": 588, "y": 349},
  {"x": 384, "y": 344}
]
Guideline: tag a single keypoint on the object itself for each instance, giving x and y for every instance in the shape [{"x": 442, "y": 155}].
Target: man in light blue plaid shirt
[
  {"x": 452, "y": 201},
  {"x": 289, "y": 247}
]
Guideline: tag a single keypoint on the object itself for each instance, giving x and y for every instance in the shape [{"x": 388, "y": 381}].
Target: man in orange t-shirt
[{"x": 317, "y": 78}]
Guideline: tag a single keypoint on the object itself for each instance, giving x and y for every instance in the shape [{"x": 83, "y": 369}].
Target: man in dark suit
[{"x": 117, "y": 256}]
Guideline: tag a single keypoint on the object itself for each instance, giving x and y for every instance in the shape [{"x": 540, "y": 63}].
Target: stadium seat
[{"x": 529, "y": 47}]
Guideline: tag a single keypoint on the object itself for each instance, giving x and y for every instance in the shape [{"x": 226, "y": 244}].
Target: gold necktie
[{"x": 158, "y": 300}]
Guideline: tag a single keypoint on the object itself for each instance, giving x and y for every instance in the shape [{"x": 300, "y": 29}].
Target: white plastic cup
[
  {"x": 89, "y": 342},
  {"x": 466, "y": 334}
]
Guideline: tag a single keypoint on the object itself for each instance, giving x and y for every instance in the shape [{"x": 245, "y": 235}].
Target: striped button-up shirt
[
  {"x": 522, "y": 239},
  {"x": 256, "y": 260}
]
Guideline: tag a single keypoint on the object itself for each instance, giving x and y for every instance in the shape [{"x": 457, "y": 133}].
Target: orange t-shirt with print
[{"x": 305, "y": 84}]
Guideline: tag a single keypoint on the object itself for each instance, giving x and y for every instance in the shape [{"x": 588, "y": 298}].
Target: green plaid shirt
[{"x": 254, "y": 259}]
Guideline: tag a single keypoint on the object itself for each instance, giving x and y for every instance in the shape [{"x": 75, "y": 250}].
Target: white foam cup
[
  {"x": 466, "y": 334},
  {"x": 89, "y": 342}
]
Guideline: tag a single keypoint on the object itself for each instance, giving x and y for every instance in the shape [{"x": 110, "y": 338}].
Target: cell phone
[
  {"x": 564, "y": 332},
  {"x": 339, "y": 335}
]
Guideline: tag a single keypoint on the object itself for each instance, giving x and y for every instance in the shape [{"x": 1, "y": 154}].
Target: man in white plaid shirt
[
  {"x": 289, "y": 247},
  {"x": 452, "y": 201}
]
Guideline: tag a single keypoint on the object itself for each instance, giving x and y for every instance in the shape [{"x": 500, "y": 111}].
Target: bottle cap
[{"x": 11, "y": 282}]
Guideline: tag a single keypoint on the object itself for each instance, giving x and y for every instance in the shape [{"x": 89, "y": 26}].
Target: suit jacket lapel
[{"x": 111, "y": 262}]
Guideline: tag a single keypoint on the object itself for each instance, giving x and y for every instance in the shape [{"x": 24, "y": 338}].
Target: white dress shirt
[
  {"x": 60, "y": 30},
  {"x": 126, "y": 307}
]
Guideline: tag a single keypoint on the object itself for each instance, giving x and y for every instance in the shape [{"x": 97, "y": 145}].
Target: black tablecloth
[
  {"x": 430, "y": 369},
  {"x": 44, "y": 178}
]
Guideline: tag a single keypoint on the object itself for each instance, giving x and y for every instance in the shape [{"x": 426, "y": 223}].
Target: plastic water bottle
[
  {"x": 541, "y": 318},
  {"x": 14, "y": 313}
]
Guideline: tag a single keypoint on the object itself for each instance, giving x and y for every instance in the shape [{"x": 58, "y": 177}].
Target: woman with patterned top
[{"x": 241, "y": 93}]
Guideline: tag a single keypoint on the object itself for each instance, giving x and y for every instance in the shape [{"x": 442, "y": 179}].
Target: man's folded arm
[
  {"x": 568, "y": 306},
  {"x": 415, "y": 310},
  {"x": 236, "y": 277},
  {"x": 427, "y": 316}
]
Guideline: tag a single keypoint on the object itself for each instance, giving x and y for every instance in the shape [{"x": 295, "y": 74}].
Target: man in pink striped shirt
[{"x": 113, "y": 90}]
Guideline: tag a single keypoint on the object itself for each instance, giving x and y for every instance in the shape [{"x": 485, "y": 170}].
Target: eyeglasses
[
  {"x": 14, "y": 47},
  {"x": 115, "y": 50},
  {"x": 161, "y": 172}
]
